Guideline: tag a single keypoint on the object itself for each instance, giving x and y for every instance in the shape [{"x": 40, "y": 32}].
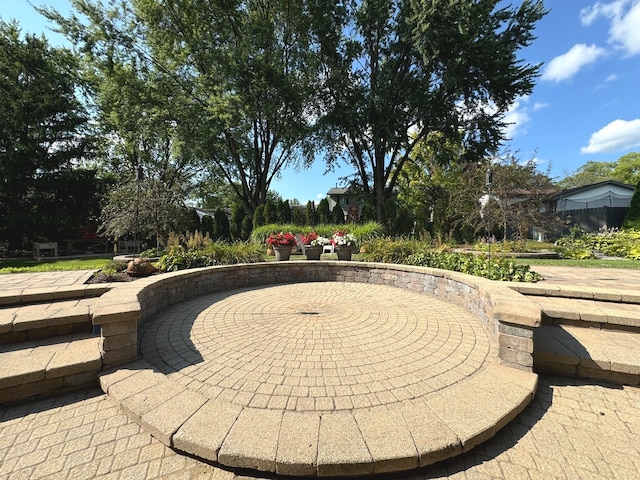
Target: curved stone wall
[{"x": 508, "y": 316}]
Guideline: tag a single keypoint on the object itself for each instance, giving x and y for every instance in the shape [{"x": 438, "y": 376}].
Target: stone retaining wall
[{"x": 508, "y": 316}]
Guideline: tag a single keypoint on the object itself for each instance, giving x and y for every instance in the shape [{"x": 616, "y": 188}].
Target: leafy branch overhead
[{"x": 254, "y": 87}]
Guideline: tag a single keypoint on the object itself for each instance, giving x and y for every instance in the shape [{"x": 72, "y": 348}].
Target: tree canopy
[
  {"x": 397, "y": 70},
  {"x": 237, "y": 81},
  {"x": 626, "y": 170},
  {"x": 234, "y": 92},
  {"x": 44, "y": 139}
]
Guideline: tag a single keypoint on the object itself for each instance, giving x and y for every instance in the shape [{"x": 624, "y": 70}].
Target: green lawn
[
  {"x": 587, "y": 263},
  {"x": 51, "y": 265},
  {"x": 29, "y": 265}
]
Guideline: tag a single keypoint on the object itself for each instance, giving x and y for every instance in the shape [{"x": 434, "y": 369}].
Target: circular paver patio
[
  {"x": 316, "y": 346},
  {"x": 319, "y": 379}
]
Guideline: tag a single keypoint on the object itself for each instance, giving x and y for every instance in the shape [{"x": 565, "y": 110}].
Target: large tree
[
  {"x": 397, "y": 70},
  {"x": 44, "y": 195},
  {"x": 238, "y": 78},
  {"x": 626, "y": 170}
]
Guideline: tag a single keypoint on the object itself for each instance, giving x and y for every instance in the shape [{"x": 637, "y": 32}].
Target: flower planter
[
  {"x": 313, "y": 252},
  {"x": 283, "y": 252},
  {"x": 344, "y": 252}
]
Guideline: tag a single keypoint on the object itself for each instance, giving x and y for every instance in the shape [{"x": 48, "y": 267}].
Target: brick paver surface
[
  {"x": 324, "y": 347},
  {"x": 572, "y": 430},
  {"x": 25, "y": 281},
  {"x": 615, "y": 278}
]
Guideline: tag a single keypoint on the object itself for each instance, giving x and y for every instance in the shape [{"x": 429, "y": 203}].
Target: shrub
[
  {"x": 608, "y": 241},
  {"x": 216, "y": 253},
  {"x": 152, "y": 252},
  {"x": 414, "y": 252},
  {"x": 518, "y": 246},
  {"x": 387, "y": 250},
  {"x": 114, "y": 266},
  {"x": 494, "y": 269}
]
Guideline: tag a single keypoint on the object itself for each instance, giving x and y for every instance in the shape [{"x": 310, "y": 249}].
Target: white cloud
[
  {"x": 517, "y": 118},
  {"x": 618, "y": 135},
  {"x": 624, "y": 32},
  {"x": 610, "y": 79},
  {"x": 590, "y": 14},
  {"x": 568, "y": 64},
  {"x": 539, "y": 106}
]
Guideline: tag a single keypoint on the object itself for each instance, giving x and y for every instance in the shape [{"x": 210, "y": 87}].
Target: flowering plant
[
  {"x": 321, "y": 241},
  {"x": 281, "y": 239},
  {"x": 343, "y": 239},
  {"x": 309, "y": 237}
]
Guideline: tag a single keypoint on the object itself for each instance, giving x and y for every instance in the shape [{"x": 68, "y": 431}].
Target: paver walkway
[{"x": 572, "y": 429}]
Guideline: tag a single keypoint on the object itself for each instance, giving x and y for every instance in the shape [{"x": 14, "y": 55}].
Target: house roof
[
  {"x": 602, "y": 194},
  {"x": 337, "y": 191},
  {"x": 584, "y": 188}
]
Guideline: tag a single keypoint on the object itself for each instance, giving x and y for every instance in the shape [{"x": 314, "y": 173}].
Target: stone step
[
  {"x": 43, "y": 367},
  {"x": 622, "y": 295},
  {"x": 362, "y": 441},
  {"x": 51, "y": 294},
  {"x": 603, "y": 354},
  {"x": 21, "y": 323},
  {"x": 589, "y": 313}
]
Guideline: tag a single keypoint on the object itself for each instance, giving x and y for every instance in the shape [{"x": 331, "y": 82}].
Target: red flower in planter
[
  {"x": 309, "y": 237},
  {"x": 281, "y": 239}
]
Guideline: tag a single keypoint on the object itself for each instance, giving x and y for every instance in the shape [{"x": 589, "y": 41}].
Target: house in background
[
  {"x": 348, "y": 202},
  {"x": 592, "y": 207},
  {"x": 338, "y": 196}
]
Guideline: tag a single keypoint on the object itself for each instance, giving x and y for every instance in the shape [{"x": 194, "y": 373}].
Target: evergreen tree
[
  {"x": 238, "y": 214},
  {"x": 632, "y": 219},
  {"x": 270, "y": 213},
  {"x": 221, "y": 225},
  {"x": 296, "y": 217},
  {"x": 310, "y": 214},
  {"x": 337, "y": 214},
  {"x": 247, "y": 227},
  {"x": 258, "y": 217},
  {"x": 284, "y": 212},
  {"x": 208, "y": 226},
  {"x": 324, "y": 213},
  {"x": 193, "y": 221}
]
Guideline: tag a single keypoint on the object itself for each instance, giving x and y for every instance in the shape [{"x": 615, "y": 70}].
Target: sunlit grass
[
  {"x": 31, "y": 265},
  {"x": 584, "y": 263}
]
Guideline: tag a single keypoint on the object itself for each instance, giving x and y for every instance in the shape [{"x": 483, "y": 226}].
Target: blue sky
[{"x": 585, "y": 106}]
